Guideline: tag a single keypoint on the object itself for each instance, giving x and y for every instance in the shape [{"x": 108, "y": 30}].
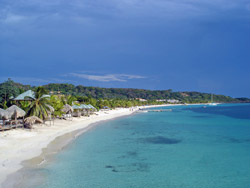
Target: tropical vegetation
[{"x": 62, "y": 94}]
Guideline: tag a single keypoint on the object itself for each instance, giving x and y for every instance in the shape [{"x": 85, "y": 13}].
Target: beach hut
[
  {"x": 76, "y": 112},
  {"x": 15, "y": 112},
  {"x": 91, "y": 109},
  {"x": 26, "y": 96},
  {"x": 84, "y": 109},
  {"x": 29, "y": 121}
]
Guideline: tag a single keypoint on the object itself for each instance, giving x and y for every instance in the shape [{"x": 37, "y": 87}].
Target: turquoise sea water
[{"x": 189, "y": 147}]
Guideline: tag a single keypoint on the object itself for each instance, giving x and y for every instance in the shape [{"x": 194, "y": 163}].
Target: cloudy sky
[{"x": 185, "y": 45}]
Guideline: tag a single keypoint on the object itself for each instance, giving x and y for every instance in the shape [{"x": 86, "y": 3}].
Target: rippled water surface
[{"x": 188, "y": 147}]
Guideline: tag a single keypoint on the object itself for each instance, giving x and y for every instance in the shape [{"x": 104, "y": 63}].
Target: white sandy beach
[{"x": 22, "y": 144}]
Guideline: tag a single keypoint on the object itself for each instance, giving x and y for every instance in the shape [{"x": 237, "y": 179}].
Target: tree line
[{"x": 111, "y": 97}]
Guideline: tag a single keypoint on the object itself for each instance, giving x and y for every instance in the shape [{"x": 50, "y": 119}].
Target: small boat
[{"x": 212, "y": 103}]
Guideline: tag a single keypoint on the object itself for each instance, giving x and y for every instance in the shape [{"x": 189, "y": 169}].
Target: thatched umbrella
[
  {"x": 32, "y": 120},
  {"x": 67, "y": 109},
  {"x": 16, "y": 111},
  {"x": 4, "y": 115}
]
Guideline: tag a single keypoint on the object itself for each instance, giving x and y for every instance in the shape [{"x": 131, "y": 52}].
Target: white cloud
[
  {"x": 13, "y": 18},
  {"x": 107, "y": 77}
]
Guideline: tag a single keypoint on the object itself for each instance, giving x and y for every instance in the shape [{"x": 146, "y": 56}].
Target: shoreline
[{"x": 23, "y": 148}]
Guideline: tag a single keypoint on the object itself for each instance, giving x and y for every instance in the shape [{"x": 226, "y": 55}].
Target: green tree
[
  {"x": 24, "y": 105},
  {"x": 57, "y": 104},
  {"x": 8, "y": 89},
  {"x": 38, "y": 106},
  {"x": 69, "y": 100}
]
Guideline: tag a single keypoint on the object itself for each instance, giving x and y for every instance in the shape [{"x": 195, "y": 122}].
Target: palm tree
[
  {"x": 69, "y": 100},
  {"x": 57, "y": 104},
  {"x": 39, "y": 104},
  {"x": 24, "y": 105}
]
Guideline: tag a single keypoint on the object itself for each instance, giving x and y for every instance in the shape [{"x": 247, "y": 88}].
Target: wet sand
[{"x": 33, "y": 167}]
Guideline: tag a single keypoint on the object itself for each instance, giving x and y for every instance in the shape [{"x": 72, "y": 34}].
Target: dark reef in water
[
  {"x": 114, "y": 170},
  {"x": 142, "y": 167},
  {"x": 236, "y": 140},
  {"x": 134, "y": 167},
  {"x": 108, "y": 166},
  {"x": 161, "y": 140},
  {"x": 111, "y": 167},
  {"x": 130, "y": 154}
]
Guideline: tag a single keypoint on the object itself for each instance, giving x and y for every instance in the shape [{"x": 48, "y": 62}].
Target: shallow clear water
[{"x": 190, "y": 147}]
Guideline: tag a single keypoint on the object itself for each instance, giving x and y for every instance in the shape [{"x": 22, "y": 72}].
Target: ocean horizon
[{"x": 190, "y": 146}]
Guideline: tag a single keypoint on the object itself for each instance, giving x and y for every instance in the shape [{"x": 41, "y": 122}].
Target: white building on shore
[
  {"x": 173, "y": 101},
  {"x": 141, "y": 100},
  {"x": 161, "y": 100}
]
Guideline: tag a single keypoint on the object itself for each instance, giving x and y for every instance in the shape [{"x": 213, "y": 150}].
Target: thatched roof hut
[
  {"x": 76, "y": 107},
  {"x": 4, "y": 114},
  {"x": 16, "y": 111},
  {"x": 32, "y": 120},
  {"x": 83, "y": 106},
  {"x": 26, "y": 96},
  {"x": 67, "y": 109},
  {"x": 92, "y": 107}
]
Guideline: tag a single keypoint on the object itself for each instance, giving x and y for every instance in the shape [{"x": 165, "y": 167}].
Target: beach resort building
[
  {"x": 173, "y": 101},
  {"x": 141, "y": 100}
]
